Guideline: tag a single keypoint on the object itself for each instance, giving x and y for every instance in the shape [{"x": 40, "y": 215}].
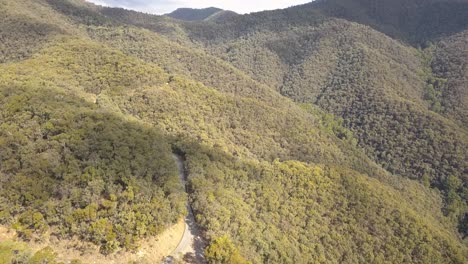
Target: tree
[{"x": 222, "y": 250}]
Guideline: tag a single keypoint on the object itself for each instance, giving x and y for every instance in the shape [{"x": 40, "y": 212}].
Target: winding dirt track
[{"x": 191, "y": 246}]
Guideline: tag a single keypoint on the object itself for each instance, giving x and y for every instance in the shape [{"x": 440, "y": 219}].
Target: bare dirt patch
[
  {"x": 6, "y": 234},
  {"x": 151, "y": 250}
]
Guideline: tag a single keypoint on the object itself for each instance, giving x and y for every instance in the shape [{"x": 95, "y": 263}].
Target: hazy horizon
[{"x": 161, "y": 7}]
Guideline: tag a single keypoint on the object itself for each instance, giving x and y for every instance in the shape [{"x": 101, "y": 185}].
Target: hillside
[
  {"x": 449, "y": 63},
  {"x": 416, "y": 21},
  {"x": 405, "y": 105},
  {"x": 353, "y": 73},
  {"x": 94, "y": 101}
]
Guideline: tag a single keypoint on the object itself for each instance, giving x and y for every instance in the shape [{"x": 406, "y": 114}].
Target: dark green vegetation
[
  {"x": 449, "y": 64},
  {"x": 83, "y": 171},
  {"x": 15, "y": 252},
  {"x": 405, "y": 105},
  {"x": 366, "y": 164},
  {"x": 290, "y": 212},
  {"x": 416, "y": 21}
]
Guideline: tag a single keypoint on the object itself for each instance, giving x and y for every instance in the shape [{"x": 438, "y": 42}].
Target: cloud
[
  {"x": 147, "y": 6},
  {"x": 166, "y": 6}
]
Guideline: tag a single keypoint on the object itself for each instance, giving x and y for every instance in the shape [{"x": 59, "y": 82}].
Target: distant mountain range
[{"x": 190, "y": 14}]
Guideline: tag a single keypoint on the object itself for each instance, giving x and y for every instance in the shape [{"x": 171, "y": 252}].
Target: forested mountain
[
  {"x": 325, "y": 133},
  {"x": 406, "y": 105},
  {"x": 416, "y": 21}
]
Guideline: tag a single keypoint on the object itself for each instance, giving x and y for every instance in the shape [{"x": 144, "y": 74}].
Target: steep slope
[
  {"x": 298, "y": 213},
  {"x": 395, "y": 99},
  {"x": 130, "y": 86},
  {"x": 82, "y": 170},
  {"x": 180, "y": 109},
  {"x": 89, "y": 122},
  {"x": 416, "y": 21},
  {"x": 27, "y": 27},
  {"x": 448, "y": 62}
]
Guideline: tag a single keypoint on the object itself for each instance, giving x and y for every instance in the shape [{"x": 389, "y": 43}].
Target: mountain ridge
[
  {"x": 331, "y": 143},
  {"x": 282, "y": 63}
]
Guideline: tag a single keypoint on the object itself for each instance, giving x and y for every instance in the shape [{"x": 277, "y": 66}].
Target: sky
[{"x": 166, "y": 6}]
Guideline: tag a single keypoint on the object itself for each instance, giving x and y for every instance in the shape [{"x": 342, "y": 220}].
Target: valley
[{"x": 331, "y": 132}]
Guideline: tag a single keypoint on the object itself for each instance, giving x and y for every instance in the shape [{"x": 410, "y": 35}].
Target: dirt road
[{"x": 191, "y": 246}]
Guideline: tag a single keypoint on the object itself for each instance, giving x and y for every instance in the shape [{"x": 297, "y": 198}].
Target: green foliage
[
  {"x": 383, "y": 90},
  {"x": 83, "y": 171},
  {"x": 43, "y": 256},
  {"x": 433, "y": 89},
  {"x": 447, "y": 63},
  {"x": 28, "y": 223},
  {"x": 14, "y": 252},
  {"x": 409, "y": 21},
  {"x": 76, "y": 63},
  {"x": 291, "y": 212},
  {"x": 79, "y": 11},
  {"x": 19, "y": 253},
  {"x": 91, "y": 112},
  {"x": 222, "y": 250},
  {"x": 28, "y": 26},
  {"x": 332, "y": 124}
]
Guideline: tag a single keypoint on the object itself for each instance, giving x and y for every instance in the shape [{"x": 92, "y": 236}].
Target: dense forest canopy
[{"x": 333, "y": 132}]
